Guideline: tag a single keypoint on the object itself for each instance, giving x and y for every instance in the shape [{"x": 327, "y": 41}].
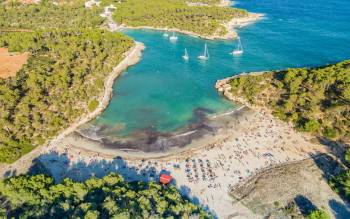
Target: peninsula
[
  {"x": 314, "y": 100},
  {"x": 205, "y": 21}
]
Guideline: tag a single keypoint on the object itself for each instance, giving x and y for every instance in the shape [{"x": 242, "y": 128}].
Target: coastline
[
  {"x": 230, "y": 27},
  {"x": 132, "y": 57},
  {"x": 196, "y": 142},
  {"x": 250, "y": 142}
]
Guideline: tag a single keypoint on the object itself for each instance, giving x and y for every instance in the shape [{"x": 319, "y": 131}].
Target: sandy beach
[{"x": 206, "y": 174}]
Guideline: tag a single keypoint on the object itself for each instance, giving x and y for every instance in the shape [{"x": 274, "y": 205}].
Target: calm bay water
[{"x": 163, "y": 91}]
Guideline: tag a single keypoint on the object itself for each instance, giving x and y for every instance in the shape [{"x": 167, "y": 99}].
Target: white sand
[{"x": 259, "y": 141}]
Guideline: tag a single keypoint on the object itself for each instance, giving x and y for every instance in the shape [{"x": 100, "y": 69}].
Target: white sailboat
[
  {"x": 239, "y": 49},
  {"x": 205, "y": 55},
  {"x": 166, "y": 34},
  {"x": 173, "y": 37},
  {"x": 186, "y": 56}
]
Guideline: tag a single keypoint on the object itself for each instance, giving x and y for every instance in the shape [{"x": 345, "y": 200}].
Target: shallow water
[{"x": 163, "y": 91}]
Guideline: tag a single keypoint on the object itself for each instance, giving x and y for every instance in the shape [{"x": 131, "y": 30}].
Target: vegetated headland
[
  {"x": 314, "y": 101},
  {"x": 205, "y": 21}
]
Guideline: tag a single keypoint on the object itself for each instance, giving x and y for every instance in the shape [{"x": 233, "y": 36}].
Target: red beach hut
[{"x": 165, "y": 179}]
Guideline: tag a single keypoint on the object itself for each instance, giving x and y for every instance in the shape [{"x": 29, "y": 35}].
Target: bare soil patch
[{"x": 10, "y": 63}]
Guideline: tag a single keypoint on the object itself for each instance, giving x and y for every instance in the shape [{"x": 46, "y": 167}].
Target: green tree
[
  {"x": 93, "y": 105},
  {"x": 110, "y": 197},
  {"x": 318, "y": 214},
  {"x": 347, "y": 156},
  {"x": 311, "y": 125}
]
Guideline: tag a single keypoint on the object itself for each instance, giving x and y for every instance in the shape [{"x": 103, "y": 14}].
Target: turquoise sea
[{"x": 163, "y": 92}]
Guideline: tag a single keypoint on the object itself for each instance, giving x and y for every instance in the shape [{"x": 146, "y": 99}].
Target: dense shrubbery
[
  {"x": 110, "y": 197},
  {"x": 63, "y": 75},
  {"x": 318, "y": 214},
  {"x": 204, "y": 20},
  {"x": 316, "y": 100},
  {"x": 341, "y": 182},
  {"x": 247, "y": 86},
  {"x": 48, "y": 15},
  {"x": 93, "y": 104}
]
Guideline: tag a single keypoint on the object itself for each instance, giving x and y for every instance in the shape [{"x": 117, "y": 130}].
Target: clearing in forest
[{"x": 10, "y": 64}]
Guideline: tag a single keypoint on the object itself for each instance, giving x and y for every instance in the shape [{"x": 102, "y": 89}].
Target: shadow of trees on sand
[{"x": 61, "y": 166}]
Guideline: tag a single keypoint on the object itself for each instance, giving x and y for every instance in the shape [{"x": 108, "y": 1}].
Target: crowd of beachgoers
[{"x": 256, "y": 141}]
